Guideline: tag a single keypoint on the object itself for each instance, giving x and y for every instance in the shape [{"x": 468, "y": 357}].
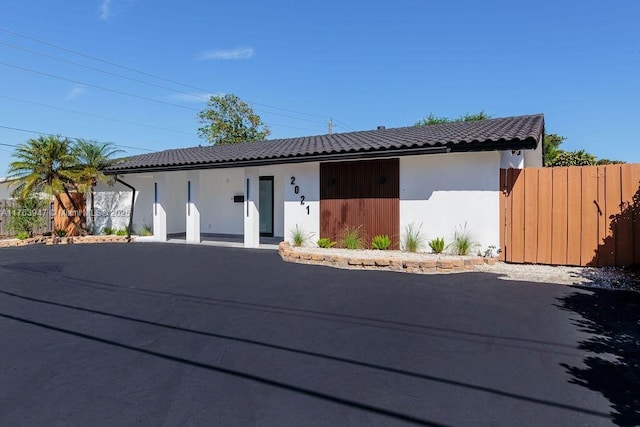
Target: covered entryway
[{"x": 362, "y": 194}]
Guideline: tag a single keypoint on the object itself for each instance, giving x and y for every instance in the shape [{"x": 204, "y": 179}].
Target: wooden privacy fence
[{"x": 583, "y": 216}]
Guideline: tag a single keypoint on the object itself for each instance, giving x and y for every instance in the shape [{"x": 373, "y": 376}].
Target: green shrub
[
  {"x": 326, "y": 243},
  {"x": 381, "y": 242},
  {"x": 26, "y": 215},
  {"x": 298, "y": 236},
  {"x": 437, "y": 245},
  {"x": 412, "y": 240},
  {"x": 22, "y": 235},
  {"x": 108, "y": 231},
  {"x": 353, "y": 238},
  {"x": 463, "y": 241},
  {"x": 61, "y": 233},
  {"x": 145, "y": 230},
  {"x": 121, "y": 232}
]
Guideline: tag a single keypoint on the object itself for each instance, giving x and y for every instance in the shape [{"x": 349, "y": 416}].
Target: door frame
[{"x": 268, "y": 178}]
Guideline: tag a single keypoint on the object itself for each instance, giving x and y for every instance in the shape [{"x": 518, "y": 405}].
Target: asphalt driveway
[{"x": 160, "y": 334}]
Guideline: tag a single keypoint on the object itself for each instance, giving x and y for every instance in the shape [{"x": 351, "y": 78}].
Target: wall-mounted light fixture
[{"x": 515, "y": 152}]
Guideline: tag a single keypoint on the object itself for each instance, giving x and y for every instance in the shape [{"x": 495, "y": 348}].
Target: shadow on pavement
[{"x": 612, "y": 362}]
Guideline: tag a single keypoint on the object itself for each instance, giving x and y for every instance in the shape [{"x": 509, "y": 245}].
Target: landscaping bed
[
  {"x": 382, "y": 260},
  {"x": 44, "y": 240}
]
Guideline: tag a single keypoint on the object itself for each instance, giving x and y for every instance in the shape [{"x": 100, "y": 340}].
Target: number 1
[{"x": 308, "y": 209}]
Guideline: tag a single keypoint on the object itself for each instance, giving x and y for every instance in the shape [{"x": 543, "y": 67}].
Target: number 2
[
  {"x": 293, "y": 180},
  {"x": 302, "y": 200}
]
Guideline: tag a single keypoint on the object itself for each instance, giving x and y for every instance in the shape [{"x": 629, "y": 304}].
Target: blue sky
[{"x": 363, "y": 64}]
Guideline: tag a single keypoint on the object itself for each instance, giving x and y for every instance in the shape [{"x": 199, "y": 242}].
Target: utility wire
[
  {"x": 95, "y": 115},
  {"x": 144, "y": 73},
  {"x": 72, "y": 137},
  {"x": 96, "y": 86},
  {"x": 167, "y": 88}
]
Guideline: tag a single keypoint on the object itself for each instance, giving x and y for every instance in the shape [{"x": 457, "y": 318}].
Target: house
[
  {"x": 440, "y": 177},
  {"x": 6, "y": 188}
]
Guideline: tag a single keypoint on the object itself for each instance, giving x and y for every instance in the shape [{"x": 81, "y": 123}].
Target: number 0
[{"x": 296, "y": 189}]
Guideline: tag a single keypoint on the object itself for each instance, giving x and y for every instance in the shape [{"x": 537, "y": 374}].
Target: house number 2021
[{"x": 296, "y": 190}]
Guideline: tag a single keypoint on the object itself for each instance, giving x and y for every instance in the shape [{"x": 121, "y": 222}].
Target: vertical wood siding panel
[
  {"x": 624, "y": 219},
  {"x": 613, "y": 193}
]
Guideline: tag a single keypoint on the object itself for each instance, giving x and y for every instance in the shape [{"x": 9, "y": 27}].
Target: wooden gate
[
  {"x": 583, "y": 216},
  {"x": 362, "y": 194}
]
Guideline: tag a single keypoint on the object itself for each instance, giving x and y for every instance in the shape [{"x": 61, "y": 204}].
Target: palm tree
[
  {"x": 93, "y": 158},
  {"x": 45, "y": 164}
]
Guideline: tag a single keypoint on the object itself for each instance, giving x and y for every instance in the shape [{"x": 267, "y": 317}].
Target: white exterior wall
[
  {"x": 113, "y": 203},
  {"x": 218, "y": 212},
  {"x": 445, "y": 191},
  {"x": 175, "y": 196},
  {"x": 5, "y": 190},
  {"x": 307, "y": 178},
  {"x": 533, "y": 158}
]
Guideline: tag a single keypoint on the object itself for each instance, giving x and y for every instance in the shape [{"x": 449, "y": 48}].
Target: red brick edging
[{"x": 448, "y": 265}]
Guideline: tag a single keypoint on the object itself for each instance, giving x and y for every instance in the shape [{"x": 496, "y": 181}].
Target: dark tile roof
[{"x": 519, "y": 132}]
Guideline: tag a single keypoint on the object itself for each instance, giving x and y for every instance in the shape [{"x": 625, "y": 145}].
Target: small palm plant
[
  {"x": 325, "y": 242},
  {"x": 381, "y": 242},
  {"x": 437, "y": 245}
]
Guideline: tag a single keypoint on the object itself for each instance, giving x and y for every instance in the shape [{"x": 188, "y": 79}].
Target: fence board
[
  {"x": 503, "y": 212},
  {"x": 517, "y": 216},
  {"x": 530, "y": 217},
  {"x": 559, "y": 216},
  {"x": 574, "y": 215},
  {"x": 545, "y": 201}
]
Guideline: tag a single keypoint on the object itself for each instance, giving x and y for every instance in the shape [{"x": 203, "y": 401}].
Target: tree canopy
[
  {"x": 228, "y": 120},
  {"x": 432, "y": 119}
]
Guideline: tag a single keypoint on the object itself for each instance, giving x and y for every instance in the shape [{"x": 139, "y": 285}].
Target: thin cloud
[
  {"x": 75, "y": 92},
  {"x": 105, "y": 10},
  {"x": 194, "y": 97},
  {"x": 227, "y": 54}
]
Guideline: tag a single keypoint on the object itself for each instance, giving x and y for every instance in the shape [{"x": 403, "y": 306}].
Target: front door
[{"x": 265, "y": 206}]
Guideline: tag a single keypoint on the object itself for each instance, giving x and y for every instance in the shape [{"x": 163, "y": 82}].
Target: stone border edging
[
  {"x": 64, "y": 240},
  {"x": 449, "y": 265}
]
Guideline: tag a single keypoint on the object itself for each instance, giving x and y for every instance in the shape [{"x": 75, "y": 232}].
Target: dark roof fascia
[{"x": 284, "y": 160}]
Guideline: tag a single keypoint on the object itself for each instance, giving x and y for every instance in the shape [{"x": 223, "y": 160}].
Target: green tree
[
  {"x": 432, "y": 119},
  {"x": 229, "y": 120},
  {"x": 573, "y": 158},
  {"x": 46, "y": 164},
  {"x": 93, "y": 158},
  {"x": 551, "y": 144}
]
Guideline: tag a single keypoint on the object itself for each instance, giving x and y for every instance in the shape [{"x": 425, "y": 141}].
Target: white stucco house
[
  {"x": 439, "y": 176},
  {"x": 5, "y": 188}
]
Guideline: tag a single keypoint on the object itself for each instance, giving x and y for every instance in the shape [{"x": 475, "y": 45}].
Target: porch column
[
  {"x": 250, "y": 213},
  {"x": 159, "y": 213},
  {"x": 193, "y": 214}
]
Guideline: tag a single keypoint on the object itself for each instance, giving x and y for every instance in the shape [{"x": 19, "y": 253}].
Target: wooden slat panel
[
  {"x": 503, "y": 212},
  {"x": 635, "y": 207},
  {"x": 545, "y": 198},
  {"x": 624, "y": 220},
  {"x": 517, "y": 215},
  {"x": 590, "y": 216},
  {"x": 574, "y": 216},
  {"x": 613, "y": 200},
  {"x": 602, "y": 218},
  {"x": 530, "y": 177},
  {"x": 559, "y": 216}
]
